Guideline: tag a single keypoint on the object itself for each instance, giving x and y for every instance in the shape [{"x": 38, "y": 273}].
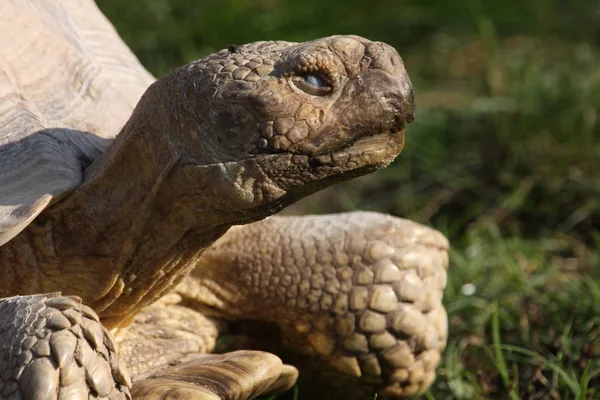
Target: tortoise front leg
[
  {"x": 357, "y": 295},
  {"x": 54, "y": 347}
]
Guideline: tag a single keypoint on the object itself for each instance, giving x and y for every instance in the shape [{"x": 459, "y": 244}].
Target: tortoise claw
[
  {"x": 238, "y": 375},
  {"x": 286, "y": 381}
]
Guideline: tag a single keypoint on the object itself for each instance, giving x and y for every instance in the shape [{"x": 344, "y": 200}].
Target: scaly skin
[
  {"x": 59, "y": 343},
  {"x": 353, "y": 300},
  {"x": 356, "y": 297},
  {"x": 223, "y": 141}
]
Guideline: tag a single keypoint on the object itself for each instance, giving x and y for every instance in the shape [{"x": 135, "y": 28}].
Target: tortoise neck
[
  {"x": 103, "y": 214},
  {"x": 123, "y": 226}
]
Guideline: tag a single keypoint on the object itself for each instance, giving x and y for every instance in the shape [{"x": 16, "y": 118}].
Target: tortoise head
[
  {"x": 223, "y": 141},
  {"x": 281, "y": 120}
]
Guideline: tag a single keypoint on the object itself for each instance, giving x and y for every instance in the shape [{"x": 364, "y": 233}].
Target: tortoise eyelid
[{"x": 300, "y": 82}]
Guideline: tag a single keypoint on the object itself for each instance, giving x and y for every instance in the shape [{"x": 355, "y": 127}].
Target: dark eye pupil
[{"x": 314, "y": 80}]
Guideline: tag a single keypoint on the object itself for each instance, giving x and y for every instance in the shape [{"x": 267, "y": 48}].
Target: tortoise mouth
[
  {"x": 372, "y": 149},
  {"x": 331, "y": 144}
]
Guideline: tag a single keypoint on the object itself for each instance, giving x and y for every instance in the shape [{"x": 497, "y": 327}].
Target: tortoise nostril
[
  {"x": 365, "y": 63},
  {"x": 402, "y": 107}
]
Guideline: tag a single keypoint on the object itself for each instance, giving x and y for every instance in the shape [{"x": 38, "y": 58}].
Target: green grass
[
  {"x": 504, "y": 158},
  {"x": 530, "y": 330}
]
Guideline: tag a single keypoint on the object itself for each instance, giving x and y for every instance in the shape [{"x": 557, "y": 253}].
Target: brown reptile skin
[
  {"x": 359, "y": 291},
  {"x": 53, "y": 345}
]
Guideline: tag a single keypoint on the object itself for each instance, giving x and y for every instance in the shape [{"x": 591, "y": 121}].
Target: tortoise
[{"x": 134, "y": 229}]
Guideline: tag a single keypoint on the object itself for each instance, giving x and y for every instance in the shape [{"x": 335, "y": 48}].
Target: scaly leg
[
  {"x": 357, "y": 295},
  {"x": 53, "y": 347}
]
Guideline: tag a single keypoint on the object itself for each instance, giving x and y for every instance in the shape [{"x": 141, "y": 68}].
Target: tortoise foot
[{"x": 238, "y": 375}]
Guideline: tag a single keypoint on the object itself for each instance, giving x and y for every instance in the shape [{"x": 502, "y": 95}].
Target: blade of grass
[
  {"x": 571, "y": 383},
  {"x": 583, "y": 384},
  {"x": 499, "y": 357}
]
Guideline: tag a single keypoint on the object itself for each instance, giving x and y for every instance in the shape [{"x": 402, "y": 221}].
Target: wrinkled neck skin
[{"x": 138, "y": 223}]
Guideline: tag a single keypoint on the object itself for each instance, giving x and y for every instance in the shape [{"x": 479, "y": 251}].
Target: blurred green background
[{"x": 504, "y": 158}]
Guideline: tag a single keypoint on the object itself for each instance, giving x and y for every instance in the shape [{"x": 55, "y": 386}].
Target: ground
[{"x": 503, "y": 158}]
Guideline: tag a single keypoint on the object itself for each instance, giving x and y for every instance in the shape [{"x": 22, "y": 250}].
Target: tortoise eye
[{"x": 313, "y": 84}]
